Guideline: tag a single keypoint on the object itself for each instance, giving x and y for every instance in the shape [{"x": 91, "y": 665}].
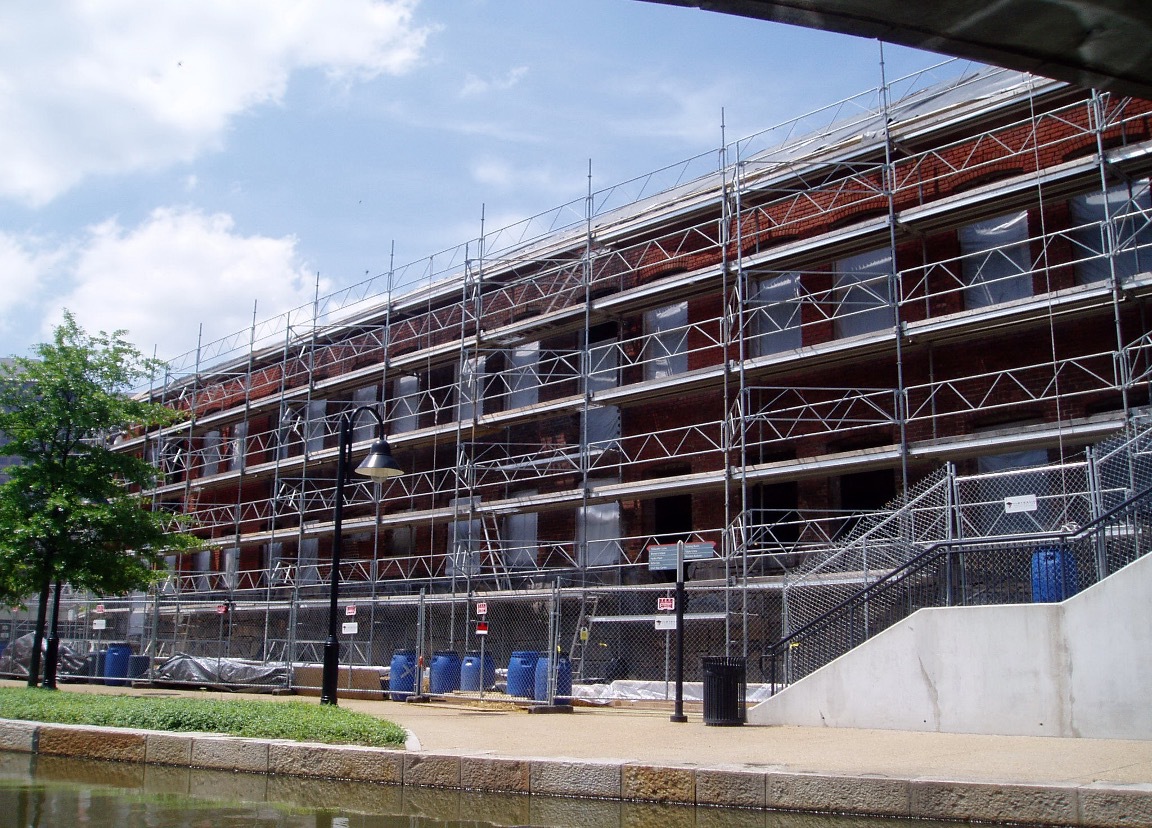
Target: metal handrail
[{"x": 923, "y": 559}]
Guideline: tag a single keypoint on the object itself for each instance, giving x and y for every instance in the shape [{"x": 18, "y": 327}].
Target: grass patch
[{"x": 294, "y": 720}]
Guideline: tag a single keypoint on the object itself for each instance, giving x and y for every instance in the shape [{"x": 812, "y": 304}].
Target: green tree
[{"x": 71, "y": 511}]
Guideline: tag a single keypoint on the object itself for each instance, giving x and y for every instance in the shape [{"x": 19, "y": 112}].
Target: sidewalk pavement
[
  {"x": 647, "y": 736},
  {"x": 639, "y": 754}
]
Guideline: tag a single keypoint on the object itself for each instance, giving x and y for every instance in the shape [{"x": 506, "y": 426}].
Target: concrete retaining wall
[{"x": 1082, "y": 668}]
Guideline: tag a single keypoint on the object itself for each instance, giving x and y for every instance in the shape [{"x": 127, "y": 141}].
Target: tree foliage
[{"x": 71, "y": 509}]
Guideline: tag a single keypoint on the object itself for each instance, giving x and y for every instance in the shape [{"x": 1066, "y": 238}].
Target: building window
[
  {"x": 272, "y": 555},
  {"x": 211, "y": 453},
  {"x": 603, "y": 421},
  {"x": 1130, "y": 207},
  {"x": 405, "y": 403},
  {"x": 774, "y": 306},
  {"x": 520, "y": 542},
  {"x": 306, "y": 560},
  {"x": 291, "y": 432},
  {"x": 317, "y": 428},
  {"x": 863, "y": 294},
  {"x": 598, "y": 533},
  {"x": 666, "y": 341},
  {"x": 403, "y": 543},
  {"x": 465, "y": 540},
  {"x": 238, "y": 448},
  {"x": 232, "y": 567},
  {"x": 996, "y": 265},
  {"x": 471, "y": 378},
  {"x": 202, "y": 566},
  {"x": 522, "y": 375},
  {"x": 365, "y": 426}
]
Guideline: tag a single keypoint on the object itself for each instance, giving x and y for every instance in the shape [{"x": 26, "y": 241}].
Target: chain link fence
[
  {"x": 611, "y": 643},
  {"x": 986, "y": 533}
]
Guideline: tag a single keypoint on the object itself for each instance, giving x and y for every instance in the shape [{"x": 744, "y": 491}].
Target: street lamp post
[{"x": 379, "y": 465}]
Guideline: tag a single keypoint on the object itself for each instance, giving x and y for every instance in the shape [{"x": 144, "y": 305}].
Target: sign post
[
  {"x": 678, "y": 716},
  {"x": 482, "y": 633}
]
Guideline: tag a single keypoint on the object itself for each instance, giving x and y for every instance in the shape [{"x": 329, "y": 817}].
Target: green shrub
[{"x": 294, "y": 720}]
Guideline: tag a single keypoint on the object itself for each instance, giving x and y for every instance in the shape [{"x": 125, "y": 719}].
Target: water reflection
[{"x": 46, "y": 792}]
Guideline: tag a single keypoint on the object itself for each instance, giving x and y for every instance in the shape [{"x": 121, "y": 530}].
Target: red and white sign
[
  {"x": 481, "y": 607},
  {"x": 481, "y": 628},
  {"x": 350, "y": 610},
  {"x": 665, "y": 604},
  {"x": 99, "y": 609},
  {"x": 221, "y": 609}
]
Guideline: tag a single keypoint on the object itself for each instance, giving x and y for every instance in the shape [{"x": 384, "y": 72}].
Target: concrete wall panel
[{"x": 1080, "y": 668}]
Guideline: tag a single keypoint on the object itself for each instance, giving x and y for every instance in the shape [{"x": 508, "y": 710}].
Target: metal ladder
[
  {"x": 577, "y": 651},
  {"x": 494, "y": 549}
]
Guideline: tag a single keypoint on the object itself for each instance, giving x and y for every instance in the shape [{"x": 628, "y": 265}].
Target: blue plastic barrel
[
  {"x": 445, "y": 672},
  {"x": 402, "y": 675},
  {"x": 471, "y": 678},
  {"x": 522, "y": 673},
  {"x": 116, "y": 664},
  {"x": 1054, "y": 576},
  {"x": 563, "y": 678}
]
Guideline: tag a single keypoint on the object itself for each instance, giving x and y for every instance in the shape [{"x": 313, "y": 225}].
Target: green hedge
[{"x": 295, "y": 720}]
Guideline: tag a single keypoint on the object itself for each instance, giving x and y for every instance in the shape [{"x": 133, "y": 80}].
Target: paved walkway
[
  {"x": 648, "y": 736},
  {"x": 640, "y": 753}
]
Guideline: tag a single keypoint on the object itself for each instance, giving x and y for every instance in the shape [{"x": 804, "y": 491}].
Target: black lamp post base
[
  {"x": 51, "y": 658},
  {"x": 331, "y": 671}
]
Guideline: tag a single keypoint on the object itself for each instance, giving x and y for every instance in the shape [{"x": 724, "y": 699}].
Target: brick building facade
[{"x": 748, "y": 355}]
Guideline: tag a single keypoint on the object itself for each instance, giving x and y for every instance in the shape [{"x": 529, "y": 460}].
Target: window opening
[
  {"x": 863, "y": 298},
  {"x": 406, "y": 403},
  {"x": 1130, "y": 206},
  {"x": 775, "y": 305},
  {"x": 598, "y": 532},
  {"x": 996, "y": 264},
  {"x": 522, "y": 375},
  {"x": 666, "y": 344}
]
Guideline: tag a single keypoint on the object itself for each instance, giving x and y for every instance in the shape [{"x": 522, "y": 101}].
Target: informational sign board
[
  {"x": 481, "y": 607},
  {"x": 99, "y": 624},
  {"x": 1020, "y": 503},
  {"x": 350, "y": 610},
  {"x": 349, "y": 628},
  {"x": 666, "y": 604},
  {"x": 667, "y": 623},
  {"x": 662, "y": 557}
]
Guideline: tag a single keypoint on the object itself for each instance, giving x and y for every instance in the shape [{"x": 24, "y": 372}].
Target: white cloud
[
  {"x": 25, "y": 268},
  {"x": 677, "y": 109},
  {"x": 506, "y": 175},
  {"x": 475, "y": 85},
  {"x": 116, "y": 86},
  {"x": 181, "y": 267}
]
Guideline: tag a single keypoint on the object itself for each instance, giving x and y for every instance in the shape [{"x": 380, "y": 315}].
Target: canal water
[{"x": 49, "y": 792}]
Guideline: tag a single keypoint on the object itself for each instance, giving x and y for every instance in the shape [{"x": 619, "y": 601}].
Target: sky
[{"x": 171, "y": 169}]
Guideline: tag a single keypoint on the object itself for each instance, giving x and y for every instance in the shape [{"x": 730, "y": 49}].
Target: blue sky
[{"x": 165, "y": 165}]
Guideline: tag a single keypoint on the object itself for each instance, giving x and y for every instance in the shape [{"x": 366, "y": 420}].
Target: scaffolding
[{"x": 750, "y": 349}]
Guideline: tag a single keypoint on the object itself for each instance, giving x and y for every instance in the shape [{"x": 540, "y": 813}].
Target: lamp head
[{"x": 380, "y": 464}]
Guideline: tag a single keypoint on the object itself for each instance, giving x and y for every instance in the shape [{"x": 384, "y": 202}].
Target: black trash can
[{"x": 725, "y": 690}]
